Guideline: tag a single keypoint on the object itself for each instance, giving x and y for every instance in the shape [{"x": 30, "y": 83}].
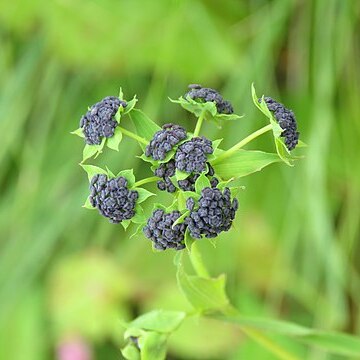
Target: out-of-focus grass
[{"x": 294, "y": 253}]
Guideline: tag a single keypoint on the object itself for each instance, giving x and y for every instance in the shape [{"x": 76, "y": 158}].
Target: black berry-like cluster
[
  {"x": 99, "y": 121},
  {"x": 112, "y": 198},
  {"x": 213, "y": 213},
  {"x": 164, "y": 140},
  {"x": 165, "y": 171},
  {"x": 197, "y": 92},
  {"x": 191, "y": 156},
  {"x": 161, "y": 231},
  {"x": 286, "y": 120}
]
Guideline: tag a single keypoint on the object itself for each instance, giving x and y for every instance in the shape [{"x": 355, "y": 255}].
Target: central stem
[
  {"x": 242, "y": 143},
  {"x": 199, "y": 123},
  {"x": 197, "y": 261},
  {"x": 146, "y": 180},
  {"x": 133, "y": 136}
]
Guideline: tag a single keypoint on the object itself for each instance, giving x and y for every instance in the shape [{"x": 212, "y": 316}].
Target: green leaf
[
  {"x": 282, "y": 151},
  {"x": 153, "y": 346},
  {"x": 130, "y": 352},
  {"x": 128, "y": 175},
  {"x": 228, "y": 117},
  {"x": 181, "y": 175},
  {"x": 216, "y": 143},
  {"x": 189, "y": 240},
  {"x": 143, "y": 194},
  {"x": 130, "y": 105},
  {"x": 161, "y": 321},
  {"x": 114, "y": 141},
  {"x": 78, "y": 132},
  {"x": 111, "y": 175},
  {"x": 139, "y": 217},
  {"x": 137, "y": 231},
  {"x": 89, "y": 151},
  {"x": 337, "y": 343},
  {"x": 202, "y": 182},
  {"x": 243, "y": 162},
  {"x": 92, "y": 170},
  {"x": 148, "y": 159},
  {"x": 181, "y": 218},
  {"x": 205, "y": 295},
  {"x": 125, "y": 224},
  {"x": 191, "y": 105},
  {"x": 88, "y": 205},
  {"x": 121, "y": 94},
  {"x": 144, "y": 126}
]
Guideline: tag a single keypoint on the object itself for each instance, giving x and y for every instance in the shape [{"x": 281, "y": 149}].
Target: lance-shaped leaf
[
  {"x": 243, "y": 162},
  {"x": 333, "y": 342},
  {"x": 144, "y": 126}
]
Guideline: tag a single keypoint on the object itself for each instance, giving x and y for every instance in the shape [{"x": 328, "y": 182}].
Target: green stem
[
  {"x": 199, "y": 123},
  {"x": 146, "y": 180},
  {"x": 242, "y": 143},
  {"x": 197, "y": 262},
  {"x": 133, "y": 136}
]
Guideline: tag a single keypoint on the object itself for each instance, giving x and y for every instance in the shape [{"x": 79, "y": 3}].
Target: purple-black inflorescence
[
  {"x": 99, "y": 121},
  {"x": 166, "y": 171},
  {"x": 112, "y": 197},
  {"x": 286, "y": 120},
  {"x": 197, "y": 92},
  {"x": 191, "y": 156},
  {"x": 161, "y": 231},
  {"x": 212, "y": 214},
  {"x": 164, "y": 140}
]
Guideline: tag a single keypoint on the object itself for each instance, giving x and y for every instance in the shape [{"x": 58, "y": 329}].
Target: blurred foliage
[{"x": 294, "y": 252}]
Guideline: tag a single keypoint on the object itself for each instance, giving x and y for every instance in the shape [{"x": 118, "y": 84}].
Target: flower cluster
[
  {"x": 164, "y": 140},
  {"x": 99, "y": 121},
  {"x": 286, "y": 120},
  {"x": 161, "y": 230},
  {"x": 112, "y": 197},
  {"x": 190, "y": 167},
  {"x": 199, "y": 93},
  {"x": 212, "y": 214},
  {"x": 191, "y": 156}
]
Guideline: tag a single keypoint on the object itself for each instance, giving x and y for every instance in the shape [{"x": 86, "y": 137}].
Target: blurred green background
[{"x": 67, "y": 275}]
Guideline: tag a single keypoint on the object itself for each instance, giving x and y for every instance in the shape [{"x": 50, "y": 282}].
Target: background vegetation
[{"x": 67, "y": 275}]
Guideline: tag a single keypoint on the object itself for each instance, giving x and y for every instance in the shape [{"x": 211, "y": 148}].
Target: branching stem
[
  {"x": 242, "y": 143},
  {"x": 199, "y": 123},
  {"x": 146, "y": 180},
  {"x": 133, "y": 136}
]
